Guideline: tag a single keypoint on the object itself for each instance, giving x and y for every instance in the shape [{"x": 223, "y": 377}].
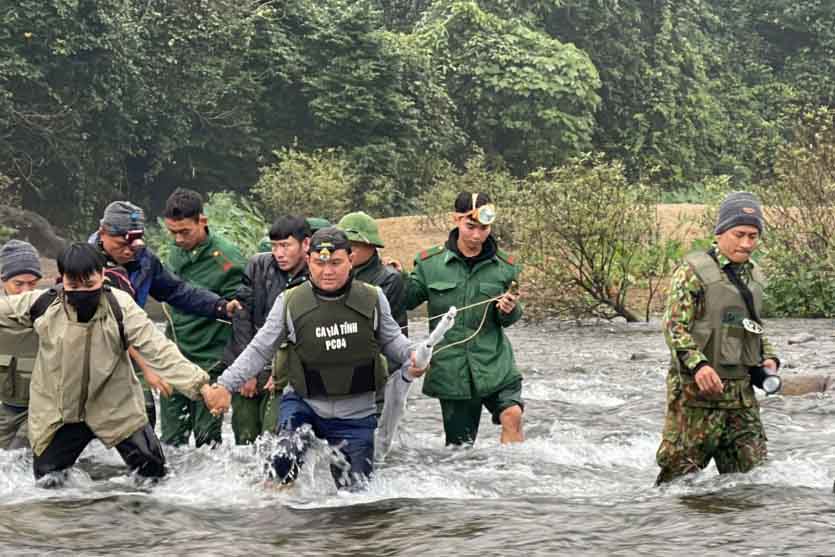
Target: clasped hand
[{"x": 217, "y": 398}]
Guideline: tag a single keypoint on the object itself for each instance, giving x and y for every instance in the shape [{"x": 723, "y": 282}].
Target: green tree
[
  {"x": 525, "y": 99},
  {"x": 316, "y": 184}
]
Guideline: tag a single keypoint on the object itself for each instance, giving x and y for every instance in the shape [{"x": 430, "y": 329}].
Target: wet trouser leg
[
  {"x": 181, "y": 416},
  {"x": 292, "y": 443},
  {"x": 461, "y": 420},
  {"x": 734, "y": 438},
  {"x": 207, "y": 427},
  {"x": 247, "y": 416},
  {"x": 13, "y": 427},
  {"x": 64, "y": 449},
  {"x": 177, "y": 419},
  {"x": 150, "y": 407},
  {"x": 462, "y": 417},
  {"x": 354, "y": 438},
  {"x": 142, "y": 452},
  {"x": 270, "y": 410},
  {"x": 743, "y": 444}
]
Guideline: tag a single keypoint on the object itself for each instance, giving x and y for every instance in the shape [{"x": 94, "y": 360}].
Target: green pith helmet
[
  {"x": 359, "y": 227},
  {"x": 316, "y": 223}
]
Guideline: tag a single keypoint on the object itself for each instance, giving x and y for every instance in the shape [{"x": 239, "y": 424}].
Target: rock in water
[
  {"x": 795, "y": 385},
  {"x": 802, "y": 338}
]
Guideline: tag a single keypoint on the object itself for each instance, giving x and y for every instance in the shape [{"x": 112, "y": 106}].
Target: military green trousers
[
  {"x": 181, "y": 416},
  {"x": 462, "y": 417},
  {"x": 253, "y": 416},
  {"x": 733, "y": 437}
]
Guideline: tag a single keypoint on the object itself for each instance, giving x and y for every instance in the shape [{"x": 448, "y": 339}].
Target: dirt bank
[{"x": 406, "y": 236}]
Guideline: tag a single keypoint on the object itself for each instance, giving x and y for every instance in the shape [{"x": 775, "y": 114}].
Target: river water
[{"x": 582, "y": 483}]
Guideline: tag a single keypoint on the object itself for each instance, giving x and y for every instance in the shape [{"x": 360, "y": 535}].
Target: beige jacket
[{"x": 82, "y": 373}]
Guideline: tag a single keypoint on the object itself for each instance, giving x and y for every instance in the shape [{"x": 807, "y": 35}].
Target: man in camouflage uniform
[
  {"x": 20, "y": 271},
  {"x": 712, "y": 412}
]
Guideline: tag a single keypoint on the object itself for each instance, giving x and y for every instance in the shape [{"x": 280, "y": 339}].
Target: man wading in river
[
  {"x": 209, "y": 261},
  {"x": 121, "y": 240},
  {"x": 254, "y": 406},
  {"x": 474, "y": 366},
  {"x": 715, "y": 340},
  {"x": 83, "y": 384},
  {"x": 336, "y": 331},
  {"x": 20, "y": 271}
]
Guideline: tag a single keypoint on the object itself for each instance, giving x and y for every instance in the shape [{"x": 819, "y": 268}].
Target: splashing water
[{"x": 580, "y": 485}]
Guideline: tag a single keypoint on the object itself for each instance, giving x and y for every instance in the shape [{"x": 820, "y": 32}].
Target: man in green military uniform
[
  {"x": 474, "y": 367},
  {"x": 364, "y": 235},
  {"x": 20, "y": 271},
  {"x": 208, "y": 261},
  {"x": 712, "y": 327}
]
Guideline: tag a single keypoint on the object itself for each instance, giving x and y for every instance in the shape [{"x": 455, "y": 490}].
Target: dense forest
[{"x": 104, "y": 99}]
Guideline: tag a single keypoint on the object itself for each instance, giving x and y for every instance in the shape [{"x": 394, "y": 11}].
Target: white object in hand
[{"x": 397, "y": 388}]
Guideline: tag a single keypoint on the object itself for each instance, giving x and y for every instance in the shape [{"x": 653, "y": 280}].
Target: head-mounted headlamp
[
  {"x": 135, "y": 239},
  {"x": 485, "y": 214},
  {"x": 324, "y": 250}
]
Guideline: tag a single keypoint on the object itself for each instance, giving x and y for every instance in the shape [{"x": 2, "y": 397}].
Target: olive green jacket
[
  {"x": 484, "y": 364},
  {"x": 83, "y": 374},
  {"x": 215, "y": 265},
  {"x": 16, "y": 364}
]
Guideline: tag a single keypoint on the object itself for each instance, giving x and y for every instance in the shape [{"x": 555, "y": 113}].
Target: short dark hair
[
  {"x": 289, "y": 225},
  {"x": 183, "y": 204},
  {"x": 464, "y": 201},
  {"x": 80, "y": 260}
]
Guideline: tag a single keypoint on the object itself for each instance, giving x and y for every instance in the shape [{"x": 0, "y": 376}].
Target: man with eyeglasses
[{"x": 121, "y": 238}]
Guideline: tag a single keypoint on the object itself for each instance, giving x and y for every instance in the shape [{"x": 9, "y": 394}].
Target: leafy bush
[
  {"x": 579, "y": 229},
  {"x": 799, "y": 247},
  {"x": 6, "y": 233},
  {"x": 316, "y": 184}
]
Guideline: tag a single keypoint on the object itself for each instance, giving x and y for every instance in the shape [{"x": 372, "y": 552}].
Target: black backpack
[{"x": 45, "y": 300}]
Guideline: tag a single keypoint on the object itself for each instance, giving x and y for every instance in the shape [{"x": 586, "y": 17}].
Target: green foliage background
[
  {"x": 105, "y": 99},
  {"x": 323, "y": 106}
]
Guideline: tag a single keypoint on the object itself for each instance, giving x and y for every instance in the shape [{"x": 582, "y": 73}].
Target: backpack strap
[
  {"x": 38, "y": 308},
  {"x": 117, "y": 313}
]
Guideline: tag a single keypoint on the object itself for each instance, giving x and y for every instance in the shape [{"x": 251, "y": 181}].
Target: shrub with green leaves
[
  {"x": 799, "y": 253},
  {"x": 315, "y": 184},
  {"x": 6, "y": 233},
  {"x": 580, "y": 229}
]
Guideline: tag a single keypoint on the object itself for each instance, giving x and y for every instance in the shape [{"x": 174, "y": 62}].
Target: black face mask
[{"x": 85, "y": 302}]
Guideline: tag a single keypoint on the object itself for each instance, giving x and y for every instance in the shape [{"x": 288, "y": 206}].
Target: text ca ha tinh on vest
[{"x": 335, "y": 334}]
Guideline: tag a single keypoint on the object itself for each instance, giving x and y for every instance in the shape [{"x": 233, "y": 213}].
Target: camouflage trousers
[{"x": 693, "y": 435}]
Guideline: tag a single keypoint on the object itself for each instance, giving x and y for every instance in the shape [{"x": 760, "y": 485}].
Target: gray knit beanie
[
  {"x": 739, "y": 208},
  {"x": 19, "y": 258},
  {"x": 121, "y": 217}
]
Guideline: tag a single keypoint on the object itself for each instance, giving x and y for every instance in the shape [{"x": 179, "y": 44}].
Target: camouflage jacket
[{"x": 685, "y": 304}]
